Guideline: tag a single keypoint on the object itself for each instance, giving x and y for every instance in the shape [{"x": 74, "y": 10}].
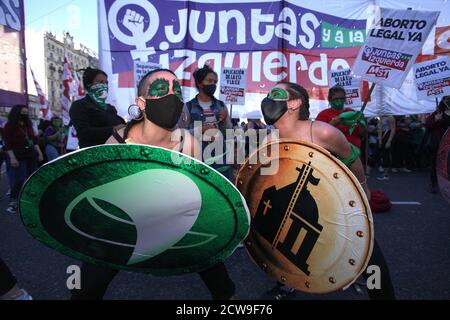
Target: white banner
[
  {"x": 351, "y": 85},
  {"x": 233, "y": 82},
  {"x": 184, "y": 35},
  {"x": 72, "y": 139},
  {"x": 392, "y": 45},
  {"x": 433, "y": 78}
]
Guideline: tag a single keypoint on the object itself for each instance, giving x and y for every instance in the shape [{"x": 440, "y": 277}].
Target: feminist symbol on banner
[
  {"x": 134, "y": 22},
  {"x": 300, "y": 218}
]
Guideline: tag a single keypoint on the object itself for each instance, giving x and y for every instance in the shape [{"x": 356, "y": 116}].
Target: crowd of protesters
[{"x": 389, "y": 144}]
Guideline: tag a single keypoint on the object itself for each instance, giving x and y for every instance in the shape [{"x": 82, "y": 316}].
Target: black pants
[
  {"x": 386, "y": 292},
  {"x": 95, "y": 281},
  {"x": 382, "y": 155},
  {"x": 402, "y": 151},
  {"x": 7, "y": 280}
]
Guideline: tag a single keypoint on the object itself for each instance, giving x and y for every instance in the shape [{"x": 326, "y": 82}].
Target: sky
[{"x": 78, "y": 17}]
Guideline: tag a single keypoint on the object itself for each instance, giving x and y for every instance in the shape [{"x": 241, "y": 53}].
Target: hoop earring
[{"x": 135, "y": 112}]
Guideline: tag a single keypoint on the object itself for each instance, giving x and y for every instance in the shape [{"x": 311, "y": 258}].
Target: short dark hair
[
  {"x": 202, "y": 73},
  {"x": 335, "y": 89},
  {"x": 296, "y": 91},
  {"x": 141, "y": 83},
  {"x": 89, "y": 76}
]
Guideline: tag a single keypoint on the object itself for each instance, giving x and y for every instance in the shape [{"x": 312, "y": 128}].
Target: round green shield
[{"x": 137, "y": 208}]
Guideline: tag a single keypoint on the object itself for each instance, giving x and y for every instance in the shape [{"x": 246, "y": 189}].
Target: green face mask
[
  {"x": 337, "y": 104},
  {"x": 99, "y": 92}
]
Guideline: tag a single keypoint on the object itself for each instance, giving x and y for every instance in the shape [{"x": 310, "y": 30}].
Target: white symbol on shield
[
  {"x": 162, "y": 204},
  {"x": 134, "y": 22}
]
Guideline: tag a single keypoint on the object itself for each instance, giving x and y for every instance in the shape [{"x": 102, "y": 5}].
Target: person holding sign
[
  {"x": 332, "y": 115},
  {"x": 287, "y": 108},
  {"x": 210, "y": 112}
]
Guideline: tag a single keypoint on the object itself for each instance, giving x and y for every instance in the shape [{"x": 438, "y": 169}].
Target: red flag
[
  {"x": 78, "y": 91},
  {"x": 66, "y": 98},
  {"x": 46, "y": 111}
]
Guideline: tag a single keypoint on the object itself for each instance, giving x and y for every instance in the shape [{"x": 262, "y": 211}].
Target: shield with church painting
[
  {"x": 443, "y": 166},
  {"x": 137, "y": 208},
  {"x": 312, "y": 227}
]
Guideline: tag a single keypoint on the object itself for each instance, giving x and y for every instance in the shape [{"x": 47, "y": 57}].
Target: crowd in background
[{"x": 388, "y": 144}]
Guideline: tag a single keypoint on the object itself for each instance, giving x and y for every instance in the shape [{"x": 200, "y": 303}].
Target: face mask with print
[{"x": 99, "y": 92}]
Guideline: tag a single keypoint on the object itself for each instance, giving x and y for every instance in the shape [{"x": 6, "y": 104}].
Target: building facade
[{"x": 45, "y": 52}]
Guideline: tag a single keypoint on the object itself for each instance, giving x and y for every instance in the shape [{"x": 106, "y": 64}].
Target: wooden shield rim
[{"x": 256, "y": 254}]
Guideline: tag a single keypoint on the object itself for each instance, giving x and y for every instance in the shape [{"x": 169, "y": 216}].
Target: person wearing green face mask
[
  {"x": 93, "y": 118},
  {"x": 337, "y": 98},
  {"x": 55, "y": 139}
]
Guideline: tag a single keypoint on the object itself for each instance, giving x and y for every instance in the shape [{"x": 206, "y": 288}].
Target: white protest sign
[
  {"x": 433, "y": 78},
  {"x": 351, "y": 85},
  {"x": 72, "y": 139},
  {"x": 233, "y": 82},
  {"x": 141, "y": 69},
  {"x": 392, "y": 45}
]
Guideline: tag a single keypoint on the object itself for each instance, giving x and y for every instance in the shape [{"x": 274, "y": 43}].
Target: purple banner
[
  {"x": 13, "y": 82},
  {"x": 147, "y": 29}
]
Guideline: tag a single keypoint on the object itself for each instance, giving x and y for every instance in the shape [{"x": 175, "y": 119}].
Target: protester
[
  {"x": 373, "y": 160},
  {"x": 287, "y": 108},
  {"x": 23, "y": 152},
  {"x": 437, "y": 124},
  {"x": 417, "y": 134},
  {"x": 56, "y": 138},
  {"x": 211, "y": 113},
  {"x": 402, "y": 148},
  {"x": 386, "y": 134},
  {"x": 336, "y": 99},
  {"x": 93, "y": 118},
  {"x": 160, "y": 106}
]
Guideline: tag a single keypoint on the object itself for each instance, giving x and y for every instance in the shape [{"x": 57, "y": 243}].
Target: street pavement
[{"x": 415, "y": 239}]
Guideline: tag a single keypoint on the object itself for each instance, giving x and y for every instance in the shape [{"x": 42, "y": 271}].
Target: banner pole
[{"x": 368, "y": 97}]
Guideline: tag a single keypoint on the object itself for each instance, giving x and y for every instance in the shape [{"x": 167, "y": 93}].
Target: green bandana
[
  {"x": 99, "y": 93},
  {"x": 337, "y": 104},
  {"x": 352, "y": 119}
]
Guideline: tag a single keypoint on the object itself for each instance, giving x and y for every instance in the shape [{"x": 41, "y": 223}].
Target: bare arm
[{"x": 334, "y": 140}]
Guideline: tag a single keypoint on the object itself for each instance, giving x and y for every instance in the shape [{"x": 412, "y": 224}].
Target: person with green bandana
[
  {"x": 93, "y": 118},
  {"x": 333, "y": 116}
]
